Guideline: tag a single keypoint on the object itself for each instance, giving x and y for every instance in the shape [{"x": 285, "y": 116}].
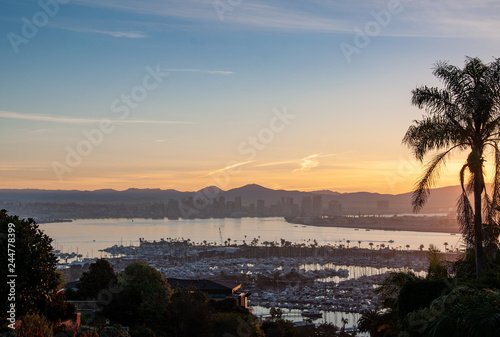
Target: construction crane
[{"x": 220, "y": 234}]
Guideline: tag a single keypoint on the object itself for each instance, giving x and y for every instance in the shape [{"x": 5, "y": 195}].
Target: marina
[{"x": 331, "y": 272}]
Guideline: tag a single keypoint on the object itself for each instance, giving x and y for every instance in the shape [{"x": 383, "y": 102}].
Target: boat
[
  {"x": 312, "y": 313},
  {"x": 391, "y": 241}
]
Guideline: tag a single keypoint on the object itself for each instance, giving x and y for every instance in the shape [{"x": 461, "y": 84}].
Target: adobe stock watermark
[
  {"x": 11, "y": 275},
  {"x": 363, "y": 36},
  {"x": 406, "y": 169},
  {"x": 224, "y": 6},
  {"x": 248, "y": 149},
  {"x": 30, "y": 27},
  {"x": 94, "y": 137}
]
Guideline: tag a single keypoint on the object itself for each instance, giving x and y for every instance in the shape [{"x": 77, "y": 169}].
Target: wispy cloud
[
  {"x": 130, "y": 35},
  {"x": 274, "y": 163},
  {"x": 212, "y": 72},
  {"x": 40, "y": 131},
  {"x": 113, "y": 33},
  {"x": 24, "y": 167},
  {"x": 422, "y": 18},
  {"x": 305, "y": 164},
  {"x": 308, "y": 163},
  {"x": 135, "y": 121},
  {"x": 232, "y": 166},
  {"x": 73, "y": 120},
  {"x": 255, "y": 14}
]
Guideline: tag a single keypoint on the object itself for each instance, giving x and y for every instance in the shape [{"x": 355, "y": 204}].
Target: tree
[
  {"x": 437, "y": 267},
  {"x": 101, "y": 276},
  {"x": 465, "y": 115},
  {"x": 32, "y": 260},
  {"x": 188, "y": 306},
  {"x": 464, "y": 312},
  {"x": 142, "y": 297},
  {"x": 385, "y": 321},
  {"x": 233, "y": 324},
  {"x": 34, "y": 325},
  {"x": 389, "y": 290},
  {"x": 374, "y": 321}
]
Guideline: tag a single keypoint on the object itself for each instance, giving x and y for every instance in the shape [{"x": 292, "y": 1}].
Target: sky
[{"x": 183, "y": 94}]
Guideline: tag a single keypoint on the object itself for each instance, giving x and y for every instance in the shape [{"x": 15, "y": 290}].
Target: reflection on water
[
  {"x": 354, "y": 271},
  {"x": 295, "y": 315},
  {"x": 90, "y": 235}
]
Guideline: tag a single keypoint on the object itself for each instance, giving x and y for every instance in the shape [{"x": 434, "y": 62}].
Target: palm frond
[
  {"x": 496, "y": 179},
  {"x": 493, "y": 80},
  {"x": 452, "y": 77},
  {"x": 461, "y": 176},
  {"x": 427, "y": 180},
  {"x": 465, "y": 217},
  {"x": 434, "y": 133},
  {"x": 487, "y": 207},
  {"x": 434, "y": 100}
]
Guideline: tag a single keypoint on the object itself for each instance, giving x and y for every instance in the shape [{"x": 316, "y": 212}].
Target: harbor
[{"x": 293, "y": 272}]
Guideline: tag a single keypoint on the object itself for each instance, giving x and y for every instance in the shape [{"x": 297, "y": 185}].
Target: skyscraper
[{"x": 317, "y": 204}]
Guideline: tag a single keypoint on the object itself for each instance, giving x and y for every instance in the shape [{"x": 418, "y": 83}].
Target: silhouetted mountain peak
[
  {"x": 326, "y": 192},
  {"x": 252, "y": 188},
  {"x": 211, "y": 190}
]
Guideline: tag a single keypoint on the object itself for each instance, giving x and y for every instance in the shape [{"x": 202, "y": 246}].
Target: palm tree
[
  {"x": 373, "y": 321},
  {"x": 371, "y": 245},
  {"x": 465, "y": 115}
]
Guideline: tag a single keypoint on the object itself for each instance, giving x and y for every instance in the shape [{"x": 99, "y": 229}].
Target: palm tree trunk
[{"x": 478, "y": 234}]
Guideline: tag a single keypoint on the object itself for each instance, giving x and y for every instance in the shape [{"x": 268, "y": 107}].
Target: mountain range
[{"x": 441, "y": 200}]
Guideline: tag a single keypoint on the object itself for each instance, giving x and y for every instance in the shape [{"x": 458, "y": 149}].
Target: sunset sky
[{"x": 183, "y": 94}]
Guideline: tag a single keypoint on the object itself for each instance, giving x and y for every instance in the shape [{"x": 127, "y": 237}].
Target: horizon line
[{"x": 212, "y": 186}]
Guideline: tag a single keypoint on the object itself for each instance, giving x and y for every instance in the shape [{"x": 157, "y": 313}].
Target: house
[{"x": 217, "y": 290}]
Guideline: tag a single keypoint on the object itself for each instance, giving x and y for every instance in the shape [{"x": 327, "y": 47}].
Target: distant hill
[
  {"x": 106, "y": 195},
  {"x": 442, "y": 200}
]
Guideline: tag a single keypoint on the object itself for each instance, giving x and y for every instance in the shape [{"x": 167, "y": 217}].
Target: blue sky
[{"x": 226, "y": 78}]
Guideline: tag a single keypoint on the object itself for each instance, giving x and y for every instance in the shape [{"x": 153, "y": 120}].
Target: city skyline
[{"x": 183, "y": 95}]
